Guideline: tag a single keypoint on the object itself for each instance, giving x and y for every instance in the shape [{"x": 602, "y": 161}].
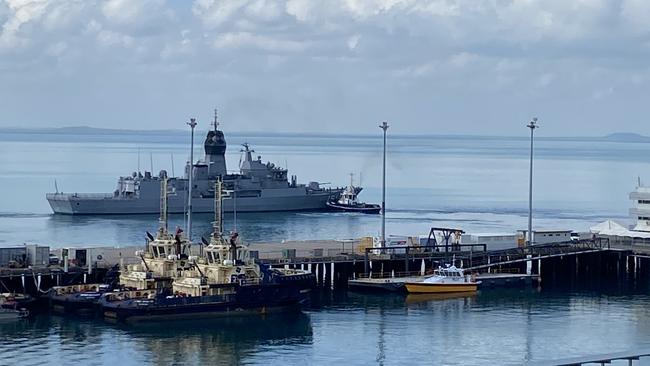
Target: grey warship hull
[{"x": 98, "y": 204}]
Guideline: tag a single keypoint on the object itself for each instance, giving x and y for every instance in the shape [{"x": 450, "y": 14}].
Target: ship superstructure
[
  {"x": 640, "y": 212},
  {"x": 258, "y": 187}
]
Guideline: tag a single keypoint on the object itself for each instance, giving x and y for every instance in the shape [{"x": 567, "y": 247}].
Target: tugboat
[
  {"x": 163, "y": 259},
  {"x": 224, "y": 281},
  {"x": 348, "y": 201},
  {"x": 443, "y": 280}
]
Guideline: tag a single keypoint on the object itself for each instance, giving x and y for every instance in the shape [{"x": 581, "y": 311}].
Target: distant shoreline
[{"x": 93, "y": 131}]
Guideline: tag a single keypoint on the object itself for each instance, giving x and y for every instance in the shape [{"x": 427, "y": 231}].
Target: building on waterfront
[
  {"x": 638, "y": 232},
  {"x": 27, "y": 255},
  {"x": 640, "y": 211},
  {"x": 491, "y": 241},
  {"x": 544, "y": 236}
]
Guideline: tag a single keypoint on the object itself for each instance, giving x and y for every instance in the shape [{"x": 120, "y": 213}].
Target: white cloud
[
  {"x": 351, "y": 53},
  {"x": 353, "y": 41},
  {"x": 250, "y": 40},
  {"x": 214, "y": 13}
]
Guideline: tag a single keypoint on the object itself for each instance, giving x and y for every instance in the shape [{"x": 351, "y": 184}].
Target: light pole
[
  {"x": 192, "y": 124},
  {"x": 532, "y": 125},
  {"x": 383, "y": 126}
]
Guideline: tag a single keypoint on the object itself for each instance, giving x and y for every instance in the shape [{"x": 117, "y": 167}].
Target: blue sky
[{"x": 431, "y": 66}]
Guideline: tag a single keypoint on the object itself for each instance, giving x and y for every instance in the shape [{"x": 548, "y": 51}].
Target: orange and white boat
[{"x": 444, "y": 280}]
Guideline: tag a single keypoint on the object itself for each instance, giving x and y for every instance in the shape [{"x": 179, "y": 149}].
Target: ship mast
[
  {"x": 217, "y": 224},
  {"x": 192, "y": 124},
  {"x": 216, "y": 121},
  {"x": 163, "y": 205}
]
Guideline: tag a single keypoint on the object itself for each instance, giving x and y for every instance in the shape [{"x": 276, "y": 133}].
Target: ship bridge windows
[
  {"x": 644, "y": 218},
  {"x": 158, "y": 251},
  {"x": 644, "y": 202},
  {"x": 213, "y": 257}
]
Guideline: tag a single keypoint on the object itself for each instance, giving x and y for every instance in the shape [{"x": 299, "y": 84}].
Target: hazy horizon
[{"x": 84, "y": 130}]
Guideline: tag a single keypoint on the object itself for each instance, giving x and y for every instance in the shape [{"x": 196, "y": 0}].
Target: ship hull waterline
[{"x": 71, "y": 205}]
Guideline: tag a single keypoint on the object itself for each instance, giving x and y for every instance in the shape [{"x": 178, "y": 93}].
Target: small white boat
[{"x": 444, "y": 280}]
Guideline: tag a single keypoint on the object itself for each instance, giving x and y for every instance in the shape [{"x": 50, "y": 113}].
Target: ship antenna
[
  {"x": 216, "y": 120},
  {"x": 172, "y": 159}
]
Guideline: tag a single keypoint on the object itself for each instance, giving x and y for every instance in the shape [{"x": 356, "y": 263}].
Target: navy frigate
[{"x": 258, "y": 187}]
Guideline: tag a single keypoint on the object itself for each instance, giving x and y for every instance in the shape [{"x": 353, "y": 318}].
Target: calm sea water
[
  {"x": 491, "y": 328},
  {"x": 478, "y": 184}
]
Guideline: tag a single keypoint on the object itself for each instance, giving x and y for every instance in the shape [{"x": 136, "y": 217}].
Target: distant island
[
  {"x": 627, "y": 137},
  {"x": 133, "y": 134}
]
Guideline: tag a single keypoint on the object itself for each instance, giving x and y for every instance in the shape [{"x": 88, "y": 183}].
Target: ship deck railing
[{"x": 82, "y": 195}]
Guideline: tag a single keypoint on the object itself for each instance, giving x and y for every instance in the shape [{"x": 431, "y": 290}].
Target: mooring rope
[{"x": 37, "y": 284}]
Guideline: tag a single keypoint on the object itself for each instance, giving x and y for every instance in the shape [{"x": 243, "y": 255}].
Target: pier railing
[
  {"x": 432, "y": 252},
  {"x": 517, "y": 255},
  {"x": 473, "y": 257},
  {"x": 393, "y": 274}
]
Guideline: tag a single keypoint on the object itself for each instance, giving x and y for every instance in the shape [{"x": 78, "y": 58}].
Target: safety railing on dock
[
  {"x": 534, "y": 252},
  {"x": 393, "y": 274},
  {"x": 469, "y": 256}
]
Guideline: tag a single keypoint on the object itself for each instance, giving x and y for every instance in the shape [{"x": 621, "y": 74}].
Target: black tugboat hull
[
  {"x": 71, "y": 304},
  {"x": 366, "y": 209},
  {"x": 248, "y": 300}
]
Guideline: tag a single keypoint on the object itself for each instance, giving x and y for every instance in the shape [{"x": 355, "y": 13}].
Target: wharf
[{"x": 343, "y": 263}]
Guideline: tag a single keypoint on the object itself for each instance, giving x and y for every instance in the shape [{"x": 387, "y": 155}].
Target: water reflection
[
  {"x": 425, "y": 298},
  {"x": 225, "y": 341},
  {"x": 228, "y": 341}
]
